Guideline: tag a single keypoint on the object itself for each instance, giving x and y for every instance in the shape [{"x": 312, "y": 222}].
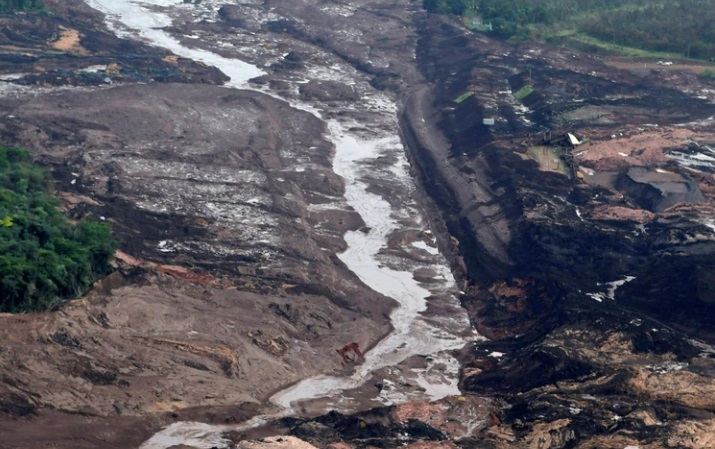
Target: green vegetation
[
  {"x": 549, "y": 159},
  {"x": 682, "y": 27},
  {"x": 580, "y": 40},
  {"x": 20, "y": 5},
  {"x": 43, "y": 258},
  {"x": 463, "y": 97},
  {"x": 523, "y": 92}
]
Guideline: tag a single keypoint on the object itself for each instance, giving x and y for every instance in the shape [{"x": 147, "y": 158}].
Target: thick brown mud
[{"x": 596, "y": 297}]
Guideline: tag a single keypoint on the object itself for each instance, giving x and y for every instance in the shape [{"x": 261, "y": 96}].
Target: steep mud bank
[
  {"x": 547, "y": 239},
  {"x": 471, "y": 221},
  {"x": 574, "y": 281}
]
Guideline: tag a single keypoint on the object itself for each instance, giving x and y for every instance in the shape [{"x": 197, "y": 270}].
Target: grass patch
[
  {"x": 463, "y": 97},
  {"x": 582, "y": 41},
  {"x": 548, "y": 158},
  {"x": 633, "y": 28},
  {"x": 20, "y": 5},
  {"x": 523, "y": 92}
]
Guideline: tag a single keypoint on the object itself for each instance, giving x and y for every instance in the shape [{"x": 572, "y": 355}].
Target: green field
[
  {"x": 582, "y": 41},
  {"x": 640, "y": 28},
  {"x": 548, "y": 159},
  {"x": 20, "y": 5},
  {"x": 523, "y": 92}
]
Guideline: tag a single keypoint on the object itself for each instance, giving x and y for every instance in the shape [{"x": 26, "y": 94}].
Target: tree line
[
  {"x": 678, "y": 26},
  {"x": 686, "y": 27},
  {"x": 43, "y": 257}
]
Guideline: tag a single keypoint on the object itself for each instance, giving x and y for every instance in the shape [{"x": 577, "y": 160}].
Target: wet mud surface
[
  {"x": 592, "y": 281},
  {"x": 229, "y": 216}
]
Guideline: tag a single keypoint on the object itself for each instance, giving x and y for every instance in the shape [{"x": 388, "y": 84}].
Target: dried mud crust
[
  {"x": 166, "y": 346},
  {"x": 216, "y": 178},
  {"x": 228, "y": 215}
]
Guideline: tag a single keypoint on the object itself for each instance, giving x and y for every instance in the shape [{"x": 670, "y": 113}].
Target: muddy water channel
[{"x": 370, "y": 158}]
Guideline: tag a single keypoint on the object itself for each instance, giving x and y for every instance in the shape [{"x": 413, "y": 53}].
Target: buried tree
[{"x": 43, "y": 258}]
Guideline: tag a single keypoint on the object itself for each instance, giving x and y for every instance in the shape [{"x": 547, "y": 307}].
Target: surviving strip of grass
[
  {"x": 523, "y": 92},
  {"x": 578, "y": 40},
  {"x": 639, "y": 28},
  {"x": 463, "y": 97}
]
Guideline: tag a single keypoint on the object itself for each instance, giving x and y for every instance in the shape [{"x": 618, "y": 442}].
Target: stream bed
[{"x": 415, "y": 333}]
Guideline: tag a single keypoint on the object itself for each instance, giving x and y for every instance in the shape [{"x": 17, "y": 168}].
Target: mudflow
[{"x": 241, "y": 206}]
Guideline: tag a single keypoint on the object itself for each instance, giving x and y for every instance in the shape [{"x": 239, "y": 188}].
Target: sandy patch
[
  {"x": 635, "y": 147},
  {"x": 69, "y": 41},
  {"x": 282, "y": 442},
  {"x": 619, "y": 213}
]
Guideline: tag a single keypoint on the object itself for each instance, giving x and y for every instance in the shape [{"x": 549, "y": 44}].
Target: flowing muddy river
[{"x": 384, "y": 213}]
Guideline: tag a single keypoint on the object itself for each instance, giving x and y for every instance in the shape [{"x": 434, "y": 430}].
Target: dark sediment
[
  {"x": 573, "y": 361},
  {"x": 530, "y": 289}
]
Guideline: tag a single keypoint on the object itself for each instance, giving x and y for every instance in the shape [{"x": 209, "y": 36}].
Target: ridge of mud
[{"x": 544, "y": 323}]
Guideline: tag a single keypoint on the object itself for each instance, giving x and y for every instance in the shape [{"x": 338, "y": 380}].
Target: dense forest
[
  {"x": 683, "y": 27},
  {"x": 43, "y": 257}
]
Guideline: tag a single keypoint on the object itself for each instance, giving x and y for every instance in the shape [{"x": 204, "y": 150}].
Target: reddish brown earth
[
  {"x": 219, "y": 306},
  {"x": 209, "y": 312}
]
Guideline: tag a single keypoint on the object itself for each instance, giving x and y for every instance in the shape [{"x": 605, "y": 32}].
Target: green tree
[{"x": 43, "y": 258}]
